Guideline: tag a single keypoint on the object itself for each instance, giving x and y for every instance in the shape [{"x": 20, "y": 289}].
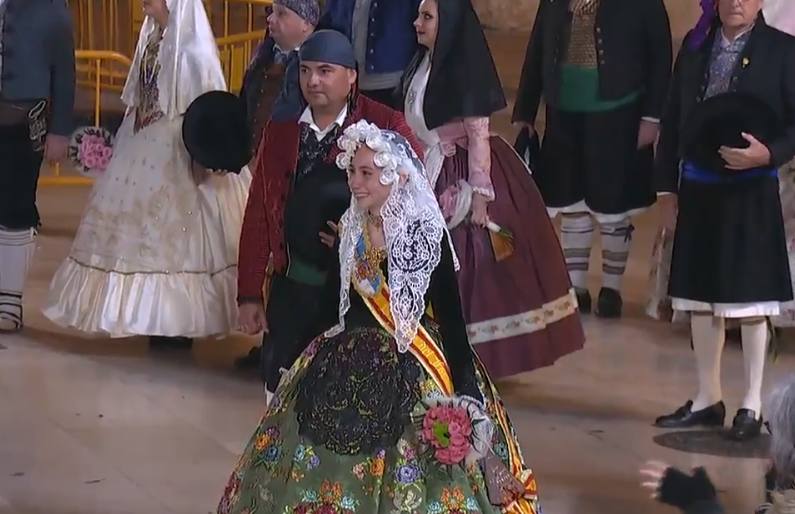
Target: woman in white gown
[{"x": 156, "y": 250}]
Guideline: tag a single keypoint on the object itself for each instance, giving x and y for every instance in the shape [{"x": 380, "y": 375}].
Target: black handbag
[{"x": 529, "y": 148}]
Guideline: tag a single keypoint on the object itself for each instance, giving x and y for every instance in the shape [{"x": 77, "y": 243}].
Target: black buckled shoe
[
  {"x": 745, "y": 426},
  {"x": 684, "y": 417},
  {"x": 609, "y": 304},
  {"x": 583, "y": 300}
]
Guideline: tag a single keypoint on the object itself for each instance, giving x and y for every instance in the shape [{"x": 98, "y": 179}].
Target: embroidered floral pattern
[
  {"x": 394, "y": 477},
  {"x": 329, "y": 500},
  {"x": 453, "y": 501},
  {"x": 304, "y": 459},
  {"x": 408, "y": 494},
  {"x": 269, "y": 448}
]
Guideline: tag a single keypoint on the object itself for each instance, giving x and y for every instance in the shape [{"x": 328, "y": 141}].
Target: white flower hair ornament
[
  {"x": 413, "y": 227},
  {"x": 393, "y": 155}
]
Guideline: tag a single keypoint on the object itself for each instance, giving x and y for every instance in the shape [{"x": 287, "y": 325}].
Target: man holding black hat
[
  {"x": 297, "y": 196},
  {"x": 37, "y": 92},
  {"x": 270, "y": 86},
  {"x": 729, "y": 124}
]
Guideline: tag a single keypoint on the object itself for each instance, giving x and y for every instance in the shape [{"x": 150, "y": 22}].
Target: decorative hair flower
[{"x": 390, "y": 156}]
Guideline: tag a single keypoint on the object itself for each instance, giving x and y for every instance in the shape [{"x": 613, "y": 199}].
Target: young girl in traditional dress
[
  {"x": 156, "y": 250},
  {"x": 390, "y": 410},
  {"x": 520, "y": 311}
]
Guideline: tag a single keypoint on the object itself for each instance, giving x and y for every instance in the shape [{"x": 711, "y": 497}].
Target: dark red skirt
[{"x": 521, "y": 312}]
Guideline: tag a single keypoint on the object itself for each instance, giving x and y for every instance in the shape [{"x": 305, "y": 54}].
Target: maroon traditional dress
[{"x": 521, "y": 311}]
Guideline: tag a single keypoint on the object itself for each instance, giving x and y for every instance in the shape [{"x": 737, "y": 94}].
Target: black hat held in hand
[
  {"x": 721, "y": 121},
  {"x": 215, "y": 133}
]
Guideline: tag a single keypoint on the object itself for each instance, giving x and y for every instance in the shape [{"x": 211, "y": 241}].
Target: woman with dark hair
[{"x": 520, "y": 310}]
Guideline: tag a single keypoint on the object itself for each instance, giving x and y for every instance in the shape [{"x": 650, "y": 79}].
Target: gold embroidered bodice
[
  {"x": 582, "y": 45},
  {"x": 148, "y": 109}
]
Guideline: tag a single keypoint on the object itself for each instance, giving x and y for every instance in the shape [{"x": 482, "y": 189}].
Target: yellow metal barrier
[
  {"x": 250, "y": 6},
  {"x": 114, "y": 24},
  {"x": 96, "y": 65},
  {"x": 235, "y": 53},
  {"x": 106, "y": 70}
]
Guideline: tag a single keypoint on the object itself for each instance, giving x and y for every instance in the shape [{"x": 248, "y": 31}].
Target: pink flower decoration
[
  {"x": 447, "y": 430},
  {"x": 91, "y": 149}
]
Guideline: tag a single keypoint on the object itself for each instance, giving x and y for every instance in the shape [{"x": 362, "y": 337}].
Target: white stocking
[
  {"x": 708, "y": 339},
  {"x": 754, "y": 333},
  {"x": 16, "y": 255}
]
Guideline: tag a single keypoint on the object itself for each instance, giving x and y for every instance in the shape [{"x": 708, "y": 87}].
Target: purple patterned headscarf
[{"x": 709, "y": 11}]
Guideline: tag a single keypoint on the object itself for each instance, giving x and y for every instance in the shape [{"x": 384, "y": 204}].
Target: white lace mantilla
[{"x": 412, "y": 222}]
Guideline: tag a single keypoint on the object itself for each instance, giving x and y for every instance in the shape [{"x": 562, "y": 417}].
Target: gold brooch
[{"x": 746, "y": 62}]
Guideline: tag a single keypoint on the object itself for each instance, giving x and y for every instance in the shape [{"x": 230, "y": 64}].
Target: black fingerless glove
[{"x": 682, "y": 490}]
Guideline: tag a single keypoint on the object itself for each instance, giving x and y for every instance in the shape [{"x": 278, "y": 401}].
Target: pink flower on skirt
[{"x": 448, "y": 431}]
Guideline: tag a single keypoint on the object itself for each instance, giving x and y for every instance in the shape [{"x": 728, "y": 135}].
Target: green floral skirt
[{"x": 339, "y": 438}]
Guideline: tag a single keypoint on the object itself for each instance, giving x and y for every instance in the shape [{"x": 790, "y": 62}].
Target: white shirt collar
[
  {"x": 276, "y": 46},
  {"x": 725, "y": 41},
  {"x": 309, "y": 119}
]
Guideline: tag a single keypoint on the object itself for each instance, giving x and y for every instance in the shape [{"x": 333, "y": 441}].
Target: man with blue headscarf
[{"x": 296, "y": 197}]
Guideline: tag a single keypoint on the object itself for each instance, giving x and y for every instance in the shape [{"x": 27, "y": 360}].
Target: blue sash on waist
[{"x": 694, "y": 173}]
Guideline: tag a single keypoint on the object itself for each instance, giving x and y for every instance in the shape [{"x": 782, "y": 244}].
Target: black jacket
[
  {"x": 765, "y": 70},
  {"x": 633, "y": 42}
]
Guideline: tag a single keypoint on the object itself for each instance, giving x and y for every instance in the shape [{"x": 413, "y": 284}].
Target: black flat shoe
[
  {"x": 609, "y": 304},
  {"x": 745, "y": 426},
  {"x": 583, "y": 300},
  {"x": 684, "y": 417},
  {"x": 170, "y": 343},
  {"x": 252, "y": 361}
]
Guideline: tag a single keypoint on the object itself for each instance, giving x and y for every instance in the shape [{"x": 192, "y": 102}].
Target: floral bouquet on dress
[
  {"x": 90, "y": 150},
  {"x": 456, "y": 431}
]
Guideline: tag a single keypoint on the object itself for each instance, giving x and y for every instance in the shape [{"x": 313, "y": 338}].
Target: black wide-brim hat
[
  {"x": 215, "y": 132},
  {"x": 720, "y": 121}
]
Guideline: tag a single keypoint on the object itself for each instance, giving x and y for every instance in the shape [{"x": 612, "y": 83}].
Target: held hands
[
  {"x": 55, "y": 147},
  {"x": 647, "y": 133},
  {"x": 738, "y": 159},
  {"x": 480, "y": 214},
  {"x": 329, "y": 238},
  {"x": 251, "y": 319}
]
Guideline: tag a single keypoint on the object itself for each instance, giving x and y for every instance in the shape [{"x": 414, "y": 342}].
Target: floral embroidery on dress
[
  {"x": 329, "y": 500},
  {"x": 408, "y": 494},
  {"x": 269, "y": 448},
  {"x": 304, "y": 459},
  {"x": 148, "y": 109},
  {"x": 231, "y": 495},
  {"x": 371, "y": 472},
  {"x": 373, "y": 466},
  {"x": 453, "y": 501}
]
